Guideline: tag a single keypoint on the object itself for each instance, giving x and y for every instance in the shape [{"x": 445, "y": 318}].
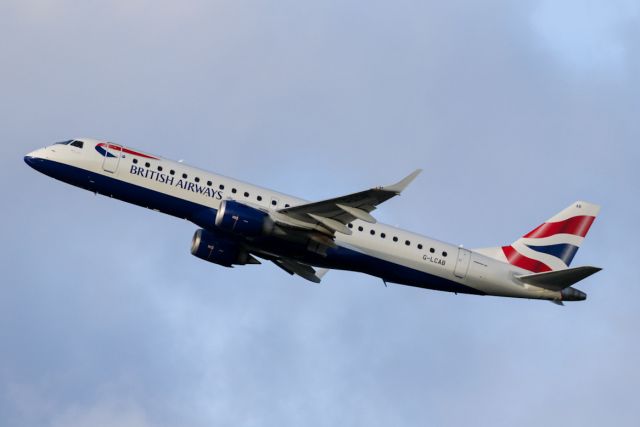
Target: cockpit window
[
  {"x": 68, "y": 141},
  {"x": 76, "y": 143}
]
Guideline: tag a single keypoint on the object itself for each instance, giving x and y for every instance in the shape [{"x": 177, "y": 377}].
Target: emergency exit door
[{"x": 462, "y": 263}]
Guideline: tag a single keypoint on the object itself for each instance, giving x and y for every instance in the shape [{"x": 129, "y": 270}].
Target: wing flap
[
  {"x": 359, "y": 213},
  {"x": 331, "y": 224},
  {"x": 303, "y": 270}
]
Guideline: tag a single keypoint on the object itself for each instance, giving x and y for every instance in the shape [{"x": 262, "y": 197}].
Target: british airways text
[{"x": 171, "y": 180}]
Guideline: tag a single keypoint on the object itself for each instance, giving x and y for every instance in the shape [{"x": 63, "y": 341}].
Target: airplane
[{"x": 241, "y": 223}]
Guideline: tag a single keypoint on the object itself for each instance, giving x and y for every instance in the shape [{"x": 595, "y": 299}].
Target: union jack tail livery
[{"x": 552, "y": 245}]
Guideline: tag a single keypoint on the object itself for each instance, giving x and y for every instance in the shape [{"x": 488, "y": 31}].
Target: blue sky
[{"x": 513, "y": 109}]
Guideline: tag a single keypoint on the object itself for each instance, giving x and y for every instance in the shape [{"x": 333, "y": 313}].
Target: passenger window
[
  {"x": 234, "y": 191},
  {"x": 172, "y": 172},
  {"x": 350, "y": 225},
  {"x": 221, "y": 186},
  {"x": 159, "y": 168},
  {"x": 444, "y": 253},
  {"x": 360, "y": 228},
  {"x": 373, "y": 232},
  {"x": 135, "y": 161},
  {"x": 209, "y": 183},
  {"x": 432, "y": 250},
  {"x": 184, "y": 176},
  {"x": 395, "y": 239},
  {"x": 408, "y": 243},
  {"x": 287, "y": 205},
  {"x": 419, "y": 245},
  {"x": 273, "y": 202},
  {"x": 197, "y": 179},
  {"x": 146, "y": 165},
  {"x": 78, "y": 144},
  {"x": 383, "y": 235},
  {"x": 259, "y": 198},
  {"x": 246, "y": 194}
]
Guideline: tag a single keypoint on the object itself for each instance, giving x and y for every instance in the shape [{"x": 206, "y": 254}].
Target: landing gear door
[
  {"x": 112, "y": 155},
  {"x": 462, "y": 263}
]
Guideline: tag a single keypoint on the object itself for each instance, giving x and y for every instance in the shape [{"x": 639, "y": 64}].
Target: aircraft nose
[{"x": 33, "y": 158}]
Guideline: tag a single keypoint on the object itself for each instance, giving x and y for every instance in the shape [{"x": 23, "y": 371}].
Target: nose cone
[{"x": 34, "y": 159}]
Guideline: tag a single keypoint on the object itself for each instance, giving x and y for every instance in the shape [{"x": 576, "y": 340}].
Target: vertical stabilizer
[{"x": 552, "y": 245}]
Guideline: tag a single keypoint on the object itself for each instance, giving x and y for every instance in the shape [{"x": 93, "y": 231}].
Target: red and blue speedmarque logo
[{"x": 107, "y": 150}]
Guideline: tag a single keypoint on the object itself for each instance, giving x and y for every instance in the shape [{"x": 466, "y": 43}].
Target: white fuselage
[{"x": 158, "y": 184}]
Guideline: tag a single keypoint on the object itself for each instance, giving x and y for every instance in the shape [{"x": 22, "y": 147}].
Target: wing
[{"x": 333, "y": 215}]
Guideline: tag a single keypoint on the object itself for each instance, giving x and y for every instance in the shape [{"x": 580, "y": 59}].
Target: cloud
[
  {"x": 106, "y": 317},
  {"x": 103, "y": 414},
  {"x": 587, "y": 36},
  {"x": 32, "y": 406}
]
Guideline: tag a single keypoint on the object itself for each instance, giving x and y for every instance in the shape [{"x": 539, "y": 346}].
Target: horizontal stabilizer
[{"x": 559, "y": 280}]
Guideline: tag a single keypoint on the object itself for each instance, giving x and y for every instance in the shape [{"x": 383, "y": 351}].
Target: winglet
[{"x": 400, "y": 186}]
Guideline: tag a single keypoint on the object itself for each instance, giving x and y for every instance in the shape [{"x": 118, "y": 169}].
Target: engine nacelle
[
  {"x": 235, "y": 217},
  {"x": 219, "y": 250}
]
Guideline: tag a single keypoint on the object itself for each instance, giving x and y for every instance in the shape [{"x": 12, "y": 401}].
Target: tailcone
[{"x": 572, "y": 294}]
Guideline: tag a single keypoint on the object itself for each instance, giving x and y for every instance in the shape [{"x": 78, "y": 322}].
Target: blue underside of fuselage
[{"x": 336, "y": 258}]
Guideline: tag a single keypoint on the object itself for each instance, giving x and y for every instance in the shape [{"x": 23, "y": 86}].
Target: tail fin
[{"x": 552, "y": 245}]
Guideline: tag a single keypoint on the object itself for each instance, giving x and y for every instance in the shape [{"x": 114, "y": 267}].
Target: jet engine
[
  {"x": 219, "y": 250},
  {"x": 235, "y": 217}
]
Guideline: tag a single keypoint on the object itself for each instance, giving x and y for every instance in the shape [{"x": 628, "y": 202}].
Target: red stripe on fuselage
[
  {"x": 126, "y": 150},
  {"x": 519, "y": 260},
  {"x": 577, "y": 225}
]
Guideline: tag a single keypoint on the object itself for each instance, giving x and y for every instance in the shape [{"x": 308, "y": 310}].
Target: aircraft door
[
  {"x": 462, "y": 263},
  {"x": 112, "y": 157}
]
